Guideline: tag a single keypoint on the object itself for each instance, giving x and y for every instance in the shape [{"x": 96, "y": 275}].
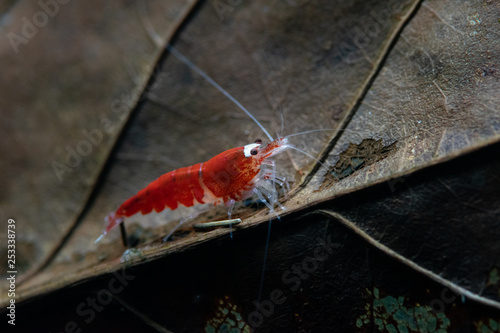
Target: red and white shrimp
[{"x": 231, "y": 176}]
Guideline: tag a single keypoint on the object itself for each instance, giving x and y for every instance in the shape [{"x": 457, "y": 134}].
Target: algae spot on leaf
[
  {"x": 390, "y": 314},
  {"x": 356, "y": 157},
  {"x": 490, "y": 326},
  {"x": 226, "y": 318}
]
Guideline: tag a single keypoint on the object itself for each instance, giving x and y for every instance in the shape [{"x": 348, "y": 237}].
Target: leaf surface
[{"x": 404, "y": 188}]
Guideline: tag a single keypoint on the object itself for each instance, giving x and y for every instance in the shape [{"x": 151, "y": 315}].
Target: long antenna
[{"x": 188, "y": 63}]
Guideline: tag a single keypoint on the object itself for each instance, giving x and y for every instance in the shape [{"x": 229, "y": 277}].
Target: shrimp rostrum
[{"x": 233, "y": 175}]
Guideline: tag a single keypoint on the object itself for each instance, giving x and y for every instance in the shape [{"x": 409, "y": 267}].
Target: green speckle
[
  {"x": 494, "y": 278},
  {"x": 400, "y": 315},
  {"x": 493, "y": 325},
  {"x": 231, "y": 322},
  {"x": 390, "y": 314},
  {"x": 432, "y": 324},
  {"x": 446, "y": 322},
  {"x": 226, "y": 319},
  {"x": 390, "y": 304},
  {"x": 402, "y": 328},
  {"x": 391, "y": 328},
  {"x": 420, "y": 315},
  {"x": 485, "y": 329},
  {"x": 236, "y": 315}
]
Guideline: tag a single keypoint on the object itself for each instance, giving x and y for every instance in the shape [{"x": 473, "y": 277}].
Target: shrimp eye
[
  {"x": 254, "y": 151},
  {"x": 259, "y": 141}
]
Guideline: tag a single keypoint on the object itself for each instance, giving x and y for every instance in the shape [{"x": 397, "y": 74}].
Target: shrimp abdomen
[{"x": 181, "y": 186}]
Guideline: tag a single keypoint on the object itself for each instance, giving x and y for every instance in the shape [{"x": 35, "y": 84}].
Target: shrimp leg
[{"x": 123, "y": 232}]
